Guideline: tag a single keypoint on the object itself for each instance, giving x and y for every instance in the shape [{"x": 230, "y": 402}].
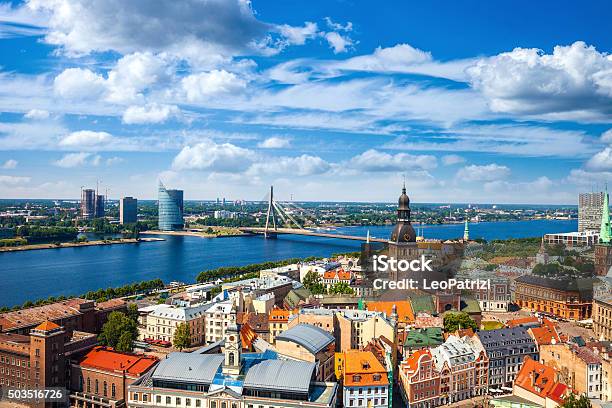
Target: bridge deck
[{"x": 296, "y": 231}]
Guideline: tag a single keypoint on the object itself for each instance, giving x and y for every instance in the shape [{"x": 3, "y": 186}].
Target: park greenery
[
  {"x": 576, "y": 402},
  {"x": 312, "y": 282},
  {"x": 454, "y": 321},
  {"x": 119, "y": 332}
]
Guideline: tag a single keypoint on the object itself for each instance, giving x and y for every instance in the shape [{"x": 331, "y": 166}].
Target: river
[{"x": 31, "y": 275}]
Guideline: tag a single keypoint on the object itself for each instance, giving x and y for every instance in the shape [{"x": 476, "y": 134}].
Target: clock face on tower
[{"x": 231, "y": 338}]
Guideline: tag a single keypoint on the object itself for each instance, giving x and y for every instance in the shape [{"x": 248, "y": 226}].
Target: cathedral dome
[{"x": 404, "y": 200}]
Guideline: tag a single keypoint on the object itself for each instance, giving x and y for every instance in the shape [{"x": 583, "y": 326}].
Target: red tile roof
[
  {"x": 107, "y": 359},
  {"x": 531, "y": 320},
  {"x": 540, "y": 379},
  {"x": 47, "y": 326}
]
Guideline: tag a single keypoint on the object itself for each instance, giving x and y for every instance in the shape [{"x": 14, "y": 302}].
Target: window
[
  {"x": 178, "y": 401},
  {"x": 97, "y": 387},
  {"x": 88, "y": 385},
  {"x": 188, "y": 402},
  {"x": 114, "y": 390},
  {"x": 157, "y": 399},
  {"x": 198, "y": 403},
  {"x": 168, "y": 400}
]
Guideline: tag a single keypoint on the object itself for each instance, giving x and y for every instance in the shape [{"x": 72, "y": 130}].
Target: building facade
[
  {"x": 159, "y": 322},
  {"x": 602, "y": 317},
  {"x": 589, "y": 211},
  {"x": 170, "y": 209},
  {"x": 309, "y": 343},
  {"x": 364, "y": 380},
  {"x": 128, "y": 210},
  {"x": 507, "y": 349},
  {"x": 564, "y": 298},
  {"x": 101, "y": 378}
]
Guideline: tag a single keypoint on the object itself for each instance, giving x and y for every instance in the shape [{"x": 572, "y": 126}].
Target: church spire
[
  {"x": 605, "y": 235},
  {"x": 466, "y": 231}
]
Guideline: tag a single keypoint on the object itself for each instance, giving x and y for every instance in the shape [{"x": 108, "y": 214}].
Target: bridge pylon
[{"x": 271, "y": 214}]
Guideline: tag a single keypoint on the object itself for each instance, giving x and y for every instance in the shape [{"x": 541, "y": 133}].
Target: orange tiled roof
[
  {"x": 35, "y": 315},
  {"x": 344, "y": 275},
  {"x": 107, "y": 359},
  {"x": 546, "y": 334},
  {"x": 279, "y": 315},
  {"x": 47, "y": 326},
  {"x": 521, "y": 321},
  {"x": 329, "y": 274},
  {"x": 412, "y": 362},
  {"x": 247, "y": 336},
  {"x": 361, "y": 368},
  {"x": 404, "y": 310},
  {"x": 540, "y": 379}
]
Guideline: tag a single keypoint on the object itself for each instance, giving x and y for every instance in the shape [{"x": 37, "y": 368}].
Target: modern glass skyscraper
[{"x": 170, "y": 208}]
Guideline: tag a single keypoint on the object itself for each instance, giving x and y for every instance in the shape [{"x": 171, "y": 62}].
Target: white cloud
[
  {"x": 111, "y": 161},
  {"x": 79, "y": 83},
  {"x": 75, "y": 160},
  {"x": 136, "y": 72},
  {"x": 208, "y": 155},
  {"x": 86, "y": 138},
  {"x": 10, "y": 164},
  {"x": 185, "y": 28},
  {"x": 606, "y": 137},
  {"x": 575, "y": 78},
  {"x": 374, "y": 160},
  {"x": 198, "y": 87},
  {"x": 450, "y": 159},
  {"x": 338, "y": 43},
  {"x": 337, "y": 26},
  {"x": 601, "y": 160},
  {"x": 152, "y": 113},
  {"x": 304, "y": 165},
  {"x": 274, "y": 142},
  {"x": 489, "y": 172},
  {"x": 13, "y": 180},
  {"x": 37, "y": 114},
  {"x": 295, "y": 35}
]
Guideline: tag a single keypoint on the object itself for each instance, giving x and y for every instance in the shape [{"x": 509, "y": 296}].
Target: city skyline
[{"x": 473, "y": 103}]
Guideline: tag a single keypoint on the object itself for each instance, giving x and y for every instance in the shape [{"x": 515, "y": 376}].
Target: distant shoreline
[
  {"x": 34, "y": 247},
  {"x": 191, "y": 234}
]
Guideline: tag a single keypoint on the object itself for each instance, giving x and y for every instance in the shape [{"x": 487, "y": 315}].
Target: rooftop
[
  {"x": 539, "y": 379},
  {"x": 312, "y": 338},
  {"x": 288, "y": 375},
  {"x": 190, "y": 367},
  {"x": 33, "y": 316},
  {"x": 107, "y": 359},
  {"x": 403, "y": 309},
  {"x": 362, "y": 368},
  {"x": 426, "y": 337}
]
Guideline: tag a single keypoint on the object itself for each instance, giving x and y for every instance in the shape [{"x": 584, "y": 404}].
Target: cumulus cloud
[
  {"x": 85, "y": 138},
  {"x": 75, "y": 160},
  {"x": 601, "y": 160},
  {"x": 10, "y": 164},
  {"x": 79, "y": 83},
  {"x": 450, "y": 159},
  {"x": 574, "y": 78},
  {"x": 215, "y": 28},
  {"x": 374, "y": 160},
  {"x": 208, "y": 155},
  {"x": 338, "y": 43},
  {"x": 201, "y": 86},
  {"x": 606, "y": 137},
  {"x": 304, "y": 165},
  {"x": 13, "y": 180},
  {"x": 274, "y": 142},
  {"x": 37, "y": 114},
  {"x": 488, "y": 172},
  {"x": 136, "y": 72},
  {"x": 152, "y": 113},
  {"x": 295, "y": 35}
]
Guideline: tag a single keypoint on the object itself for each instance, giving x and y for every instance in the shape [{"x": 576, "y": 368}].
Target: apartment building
[
  {"x": 219, "y": 316},
  {"x": 159, "y": 322},
  {"x": 364, "y": 379},
  {"x": 419, "y": 380},
  {"x": 278, "y": 322}
]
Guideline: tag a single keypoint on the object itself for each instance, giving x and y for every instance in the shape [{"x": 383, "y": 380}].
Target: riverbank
[
  {"x": 217, "y": 232},
  {"x": 78, "y": 244}
]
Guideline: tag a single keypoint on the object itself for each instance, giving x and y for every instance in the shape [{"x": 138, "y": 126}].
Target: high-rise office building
[
  {"x": 128, "y": 213},
  {"x": 589, "y": 211},
  {"x": 88, "y": 203},
  {"x": 99, "y": 206},
  {"x": 170, "y": 208}
]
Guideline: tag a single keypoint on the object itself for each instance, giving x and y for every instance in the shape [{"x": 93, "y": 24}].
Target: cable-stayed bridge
[{"x": 279, "y": 214}]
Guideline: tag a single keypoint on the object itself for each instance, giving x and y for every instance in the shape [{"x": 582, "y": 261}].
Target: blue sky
[{"x": 473, "y": 101}]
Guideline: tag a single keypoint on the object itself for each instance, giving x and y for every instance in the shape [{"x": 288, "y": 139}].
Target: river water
[{"x": 31, "y": 275}]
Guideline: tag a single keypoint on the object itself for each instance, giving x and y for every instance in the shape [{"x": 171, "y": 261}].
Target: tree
[
  {"x": 454, "y": 321},
  {"x": 132, "y": 312},
  {"x": 182, "y": 336},
  {"x": 341, "y": 288},
  {"x": 572, "y": 402},
  {"x": 119, "y": 332},
  {"x": 312, "y": 282}
]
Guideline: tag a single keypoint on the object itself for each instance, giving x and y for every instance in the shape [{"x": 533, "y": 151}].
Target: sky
[{"x": 327, "y": 100}]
